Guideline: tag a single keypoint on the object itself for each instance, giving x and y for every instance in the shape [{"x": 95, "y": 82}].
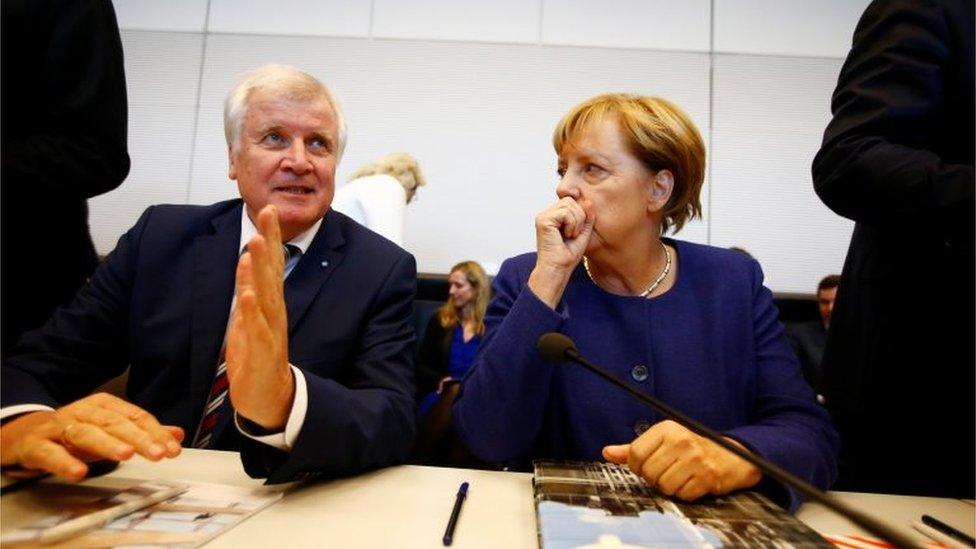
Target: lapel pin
[{"x": 325, "y": 263}]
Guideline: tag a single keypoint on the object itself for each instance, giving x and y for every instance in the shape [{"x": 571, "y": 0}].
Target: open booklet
[
  {"x": 197, "y": 514},
  {"x": 597, "y": 505}
]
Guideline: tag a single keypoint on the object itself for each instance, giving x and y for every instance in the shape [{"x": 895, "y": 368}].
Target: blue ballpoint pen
[{"x": 452, "y": 522}]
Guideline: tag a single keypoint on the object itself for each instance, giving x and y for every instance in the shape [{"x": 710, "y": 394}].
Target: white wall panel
[
  {"x": 160, "y": 144},
  {"x": 162, "y": 70},
  {"x": 291, "y": 17},
  {"x": 769, "y": 116},
  {"x": 466, "y": 87},
  {"x": 479, "y": 117},
  {"x": 171, "y": 15},
  {"x": 471, "y": 20},
  {"x": 787, "y": 27},
  {"x": 649, "y": 24}
]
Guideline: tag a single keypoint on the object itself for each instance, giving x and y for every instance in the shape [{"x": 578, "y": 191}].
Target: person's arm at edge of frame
[
  {"x": 85, "y": 153},
  {"x": 870, "y": 168}
]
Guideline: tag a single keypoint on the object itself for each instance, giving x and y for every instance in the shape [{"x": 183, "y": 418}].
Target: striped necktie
[{"x": 214, "y": 409}]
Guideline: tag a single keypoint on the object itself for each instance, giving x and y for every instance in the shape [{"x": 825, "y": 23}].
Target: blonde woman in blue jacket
[{"x": 690, "y": 324}]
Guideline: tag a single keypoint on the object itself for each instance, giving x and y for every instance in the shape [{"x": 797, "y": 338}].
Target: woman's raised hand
[{"x": 562, "y": 233}]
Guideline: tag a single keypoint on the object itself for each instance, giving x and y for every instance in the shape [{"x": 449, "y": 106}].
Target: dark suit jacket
[
  {"x": 64, "y": 141},
  {"x": 897, "y": 158},
  {"x": 807, "y": 340},
  {"x": 160, "y": 303}
]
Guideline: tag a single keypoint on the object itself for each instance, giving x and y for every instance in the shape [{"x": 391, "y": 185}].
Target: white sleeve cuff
[
  {"x": 285, "y": 440},
  {"x": 18, "y": 409}
]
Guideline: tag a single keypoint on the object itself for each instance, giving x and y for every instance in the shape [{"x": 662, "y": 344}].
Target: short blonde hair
[
  {"x": 403, "y": 167},
  {"x": 659, "y": 134},
  {"x": 285, "y": 80}
]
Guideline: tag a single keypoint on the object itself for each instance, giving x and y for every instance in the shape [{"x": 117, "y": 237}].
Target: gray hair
[{"x": 288, "y": 81}]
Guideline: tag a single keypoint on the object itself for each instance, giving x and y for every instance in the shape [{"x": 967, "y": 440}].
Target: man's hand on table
[{"x": 99, "y": 426}]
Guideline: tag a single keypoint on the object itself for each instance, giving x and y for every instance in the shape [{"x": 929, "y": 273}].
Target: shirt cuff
[
  {"x": 284, "y": 440},
  {"x": 19, "y": 409}
]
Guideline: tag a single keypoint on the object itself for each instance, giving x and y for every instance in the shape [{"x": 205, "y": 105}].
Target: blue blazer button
[{"x": 639, "y": 372}]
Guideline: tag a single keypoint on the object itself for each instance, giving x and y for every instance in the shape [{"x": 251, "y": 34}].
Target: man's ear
[
  {"x": 232, "y": 167},
  {"x": 661, "y": 185}
]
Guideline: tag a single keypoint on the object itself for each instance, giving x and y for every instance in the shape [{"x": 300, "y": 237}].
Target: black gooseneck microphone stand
[{"x": 557, "y": 347}]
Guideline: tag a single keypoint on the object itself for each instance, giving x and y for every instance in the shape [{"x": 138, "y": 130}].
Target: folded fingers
[{"x": 572, "y": 217}]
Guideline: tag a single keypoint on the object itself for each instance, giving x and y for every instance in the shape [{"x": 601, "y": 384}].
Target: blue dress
[
  {"x": 459, "y": 362},
  {"x": 711, "y": 346}
]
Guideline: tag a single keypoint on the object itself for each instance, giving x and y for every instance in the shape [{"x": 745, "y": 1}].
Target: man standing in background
[
  {"x": 897, "y": 158},
  {"x": 64, "y": 141},
  {"x": 808, "y": 338}
]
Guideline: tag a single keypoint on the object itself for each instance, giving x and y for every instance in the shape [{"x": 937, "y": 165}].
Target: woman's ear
[{"x": 661, "y": 185}]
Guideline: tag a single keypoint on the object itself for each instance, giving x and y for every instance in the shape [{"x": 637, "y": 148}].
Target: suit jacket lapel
[
  {"x": 215, "y": 262},
  {"x": 313, "y": 269},
  {"x": 217, "y": 257},
  {"x": 301, "y": 287}
]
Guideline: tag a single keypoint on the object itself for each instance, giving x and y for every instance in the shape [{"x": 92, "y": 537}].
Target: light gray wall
[{"x": 473, "y": 89}]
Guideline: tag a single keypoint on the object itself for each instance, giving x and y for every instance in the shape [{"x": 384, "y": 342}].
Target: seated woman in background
[
  {"x": 377, "y": 194},
  {"x": 691, "y": 324},
  {"x": 453, "y": 333}
]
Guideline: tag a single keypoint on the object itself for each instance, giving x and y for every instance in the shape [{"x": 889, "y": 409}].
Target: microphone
[
  {"x": 556, "y": 347},
  {"x": 553, "y": 346}
]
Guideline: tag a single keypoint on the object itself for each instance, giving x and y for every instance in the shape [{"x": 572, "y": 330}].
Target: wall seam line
[
  {"x": 542, "y": 9},
  {"x": 372, "y": 17},
  {"x": 711, "y": 117},
  {"x": 196, "y": 109}
]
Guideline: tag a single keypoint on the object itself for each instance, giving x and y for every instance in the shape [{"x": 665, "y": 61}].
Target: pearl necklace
[{"x": 657, "y": 282}]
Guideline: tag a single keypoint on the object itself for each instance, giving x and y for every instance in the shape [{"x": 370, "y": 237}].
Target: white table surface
[{"x": 408, "y": 506}]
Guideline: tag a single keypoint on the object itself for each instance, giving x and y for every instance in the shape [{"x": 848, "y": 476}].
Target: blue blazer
[
  {"x": 712, "y": 346},
  {"x": 160, "y": 304}
]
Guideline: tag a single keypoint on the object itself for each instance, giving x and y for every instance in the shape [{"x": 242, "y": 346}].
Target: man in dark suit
[
  {"x": 897, "y": 158},
  {"x": 318, "y": 347},
  {"x": 808, "y": 338}
]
